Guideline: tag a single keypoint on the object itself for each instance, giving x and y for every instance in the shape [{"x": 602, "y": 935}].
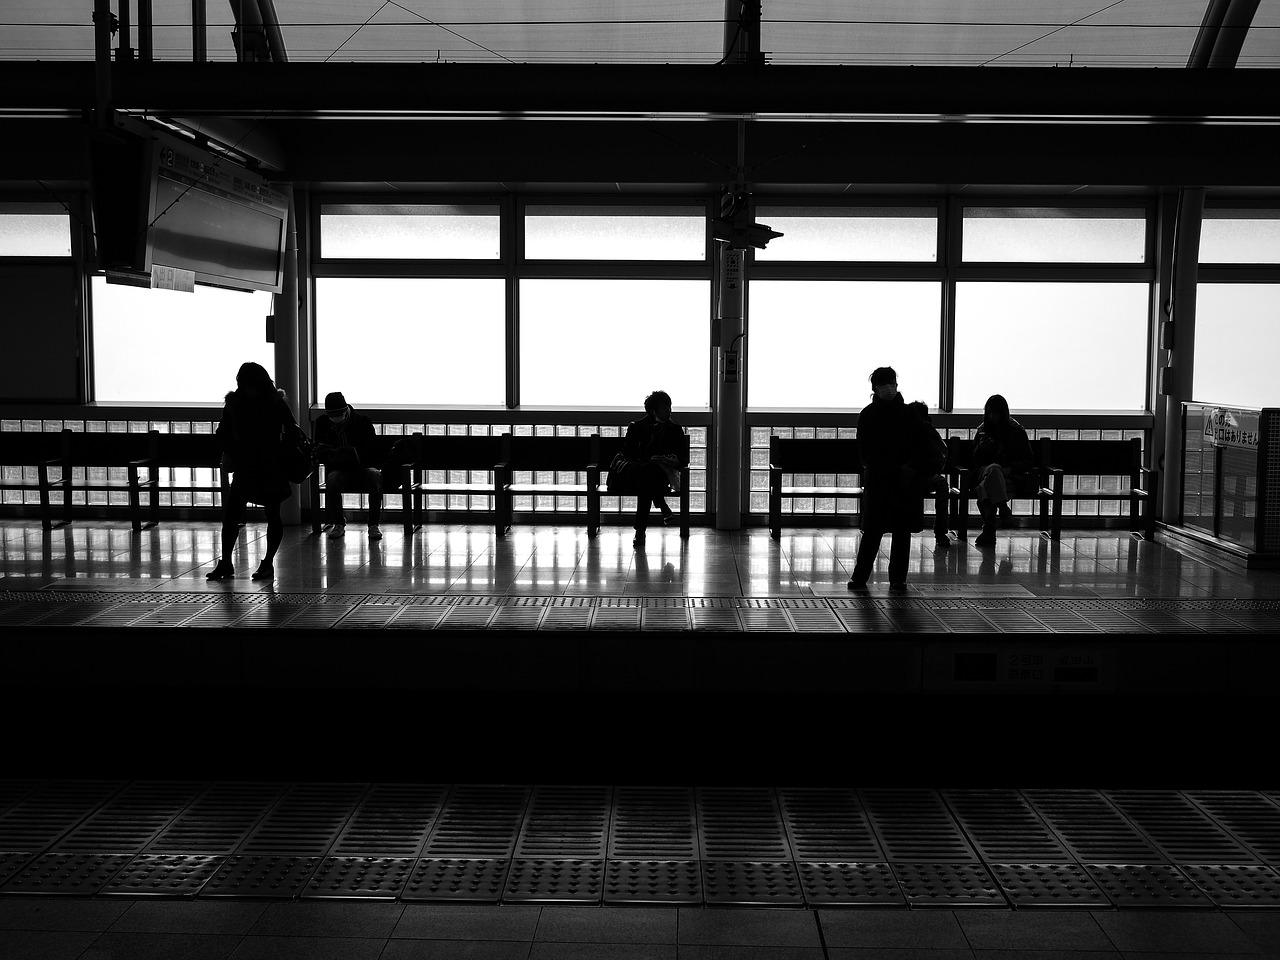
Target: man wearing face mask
[
  {"x": 893, "y": 493},
  {"x": 345, "y": 444}
]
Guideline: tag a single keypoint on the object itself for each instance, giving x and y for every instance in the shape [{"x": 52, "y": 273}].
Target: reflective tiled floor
[
  {"x": 137, "y": 837},
  {"x": 563, "y": 561}
]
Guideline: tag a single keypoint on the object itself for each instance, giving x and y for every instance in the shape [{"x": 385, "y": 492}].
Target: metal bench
[
  {"x": 180, "y": 452},
  {"x": 383, "y": 444},
  {"x": 24, "y": 456},
  {"x": 557, "y": 466},
  {"x": 823, "y": 456},
  {"x": 450, "y": 465},
  {"x": 960, "y": 455},
  {"x": 1117, "y": 460},
  {"x": 95, "y": 457},
  {"x": 609, "y": 446}
]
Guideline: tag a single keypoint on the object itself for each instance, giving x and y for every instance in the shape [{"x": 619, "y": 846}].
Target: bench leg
[
  {"x": 775, "y": 515},
  {"x": 46, "y": 509},
  {"x": 135, "y": 501},
  {"x": 501, "y": 510},
  {"x": 1152, "y": 500},
  {"x": 155, "y": 496},
  {"x": 593, "y": 503}
]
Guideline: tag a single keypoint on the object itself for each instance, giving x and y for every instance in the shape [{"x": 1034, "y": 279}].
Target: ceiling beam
[
  {"x": 1222, "y": 34},
  {"x": 732, "y": 91}
]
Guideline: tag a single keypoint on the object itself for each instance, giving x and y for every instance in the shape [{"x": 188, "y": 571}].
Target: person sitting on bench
[
  {"x": 345, "y": 445},
  {"x": 1001, "y": 467},
  {"x": 651, "y": 454}
]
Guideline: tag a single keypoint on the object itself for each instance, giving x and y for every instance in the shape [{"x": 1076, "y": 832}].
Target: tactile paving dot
[
  {"x": 751, "y": 882},
  {"x": 11, "y": 863},
  {"x": 163, "y": 875},
  {"x": 832, "y": 884},
  {"x": 1236, "y": 885},
  {"x": 478, "y": 881},
  {"x": 554, "y": 881},
  {"x": 947, "y": 885},
  {"x": 1146, "y": 885},
  {"x": 66, "y": 874},
  {"x": 373, "y": 878},
  {"x": 265, "y": 876},
  {"x": 1047, "y": 885},
  {"x": 653, "y": 881}
]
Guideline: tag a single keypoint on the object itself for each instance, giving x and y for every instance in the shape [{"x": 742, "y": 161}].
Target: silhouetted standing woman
[{"x": 255, "y": 422}]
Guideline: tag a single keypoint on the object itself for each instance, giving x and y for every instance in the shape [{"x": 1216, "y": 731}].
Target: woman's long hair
[
  {"x": 996, "y": 409},
  {"x": 254, "y": 376}
]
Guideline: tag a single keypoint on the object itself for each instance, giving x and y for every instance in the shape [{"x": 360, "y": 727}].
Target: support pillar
[
  {"x": 1178, "y": 338},
  {"x": 285, "y": 310},
  {"x": 728, "y": 424}
]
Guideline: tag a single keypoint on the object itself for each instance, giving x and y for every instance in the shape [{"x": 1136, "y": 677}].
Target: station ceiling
[{"x": 969, "y": 33}]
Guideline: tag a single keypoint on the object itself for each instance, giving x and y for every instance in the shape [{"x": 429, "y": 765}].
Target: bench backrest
[
  {"x": 1095, "y": 457},
  {"x": 609, "y": 446},
  {"x": 107, "y": 449},
  {"x": 28, "y": 448},
  {"x": 960, "y": 452},
  {"x": 188, "y": 450},
  {"x": 458, "y": 452},
  {"x": 823, "y": 455},
  {"x": 550, "y": 453},
  {"x": 383, "y": 444}
]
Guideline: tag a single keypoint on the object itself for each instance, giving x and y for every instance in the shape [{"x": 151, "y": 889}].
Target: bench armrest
[{"x": 1052, "y": 479}]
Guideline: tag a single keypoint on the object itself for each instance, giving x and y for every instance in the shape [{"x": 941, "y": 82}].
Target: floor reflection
[{"x": 563, "y": 561}]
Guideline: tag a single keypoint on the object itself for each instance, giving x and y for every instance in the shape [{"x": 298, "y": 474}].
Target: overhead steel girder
[{"x": 606, "y": 91}]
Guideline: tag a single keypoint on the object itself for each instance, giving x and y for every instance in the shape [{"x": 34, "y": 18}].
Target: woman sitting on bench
[{"x": 1002, "y": 466}]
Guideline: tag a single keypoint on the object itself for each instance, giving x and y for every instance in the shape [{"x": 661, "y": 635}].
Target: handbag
[
  {"x": 297, "y": 457},
  {"x": 616, "y": 480}
]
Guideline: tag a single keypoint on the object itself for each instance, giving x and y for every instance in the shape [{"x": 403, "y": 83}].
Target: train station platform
[{"x": 550, "y": 746}]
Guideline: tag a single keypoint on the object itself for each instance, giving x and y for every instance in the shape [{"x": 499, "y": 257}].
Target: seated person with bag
[
  {"x": 345, "y": 444},
  {"x": 649, "y": 462},
  {"x": 928, "y": 460},
  {"x": 1002, "y": 466}
]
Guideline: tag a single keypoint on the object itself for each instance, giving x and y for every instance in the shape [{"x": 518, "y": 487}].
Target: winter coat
[
  {"x": 356, "y": 432},
  {"x": 650, "y": 437},
  {"x": 250, "y": 433},
  {"x": 1010, "y": 447},
  {"x": 646, "y": 438},
  {"x": 893, "y": 491}
]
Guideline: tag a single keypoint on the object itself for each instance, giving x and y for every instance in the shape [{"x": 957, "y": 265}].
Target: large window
[
  {"x": 1007, "y": 234},
  {"x": 813, "y": 343},
  {"x": 611, "y": 342},
  {"x": 1237, "y": 343},
  {"x": 869, "y": 234},
  {"x": 34, "y": 230},
  {"x": 162, "y": 346},
  {"x": 411, "y": 341},
  {"x": 409, "y": 231},
  {"x": 1238, "y": 308},
  {"x": 617, "y": 233},
  {"x": 1051, "y": 346},
  {"x": 1240, "y": 236}
]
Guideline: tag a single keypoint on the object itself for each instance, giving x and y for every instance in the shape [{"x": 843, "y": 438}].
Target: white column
[{"x": 727, "y": 422}]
